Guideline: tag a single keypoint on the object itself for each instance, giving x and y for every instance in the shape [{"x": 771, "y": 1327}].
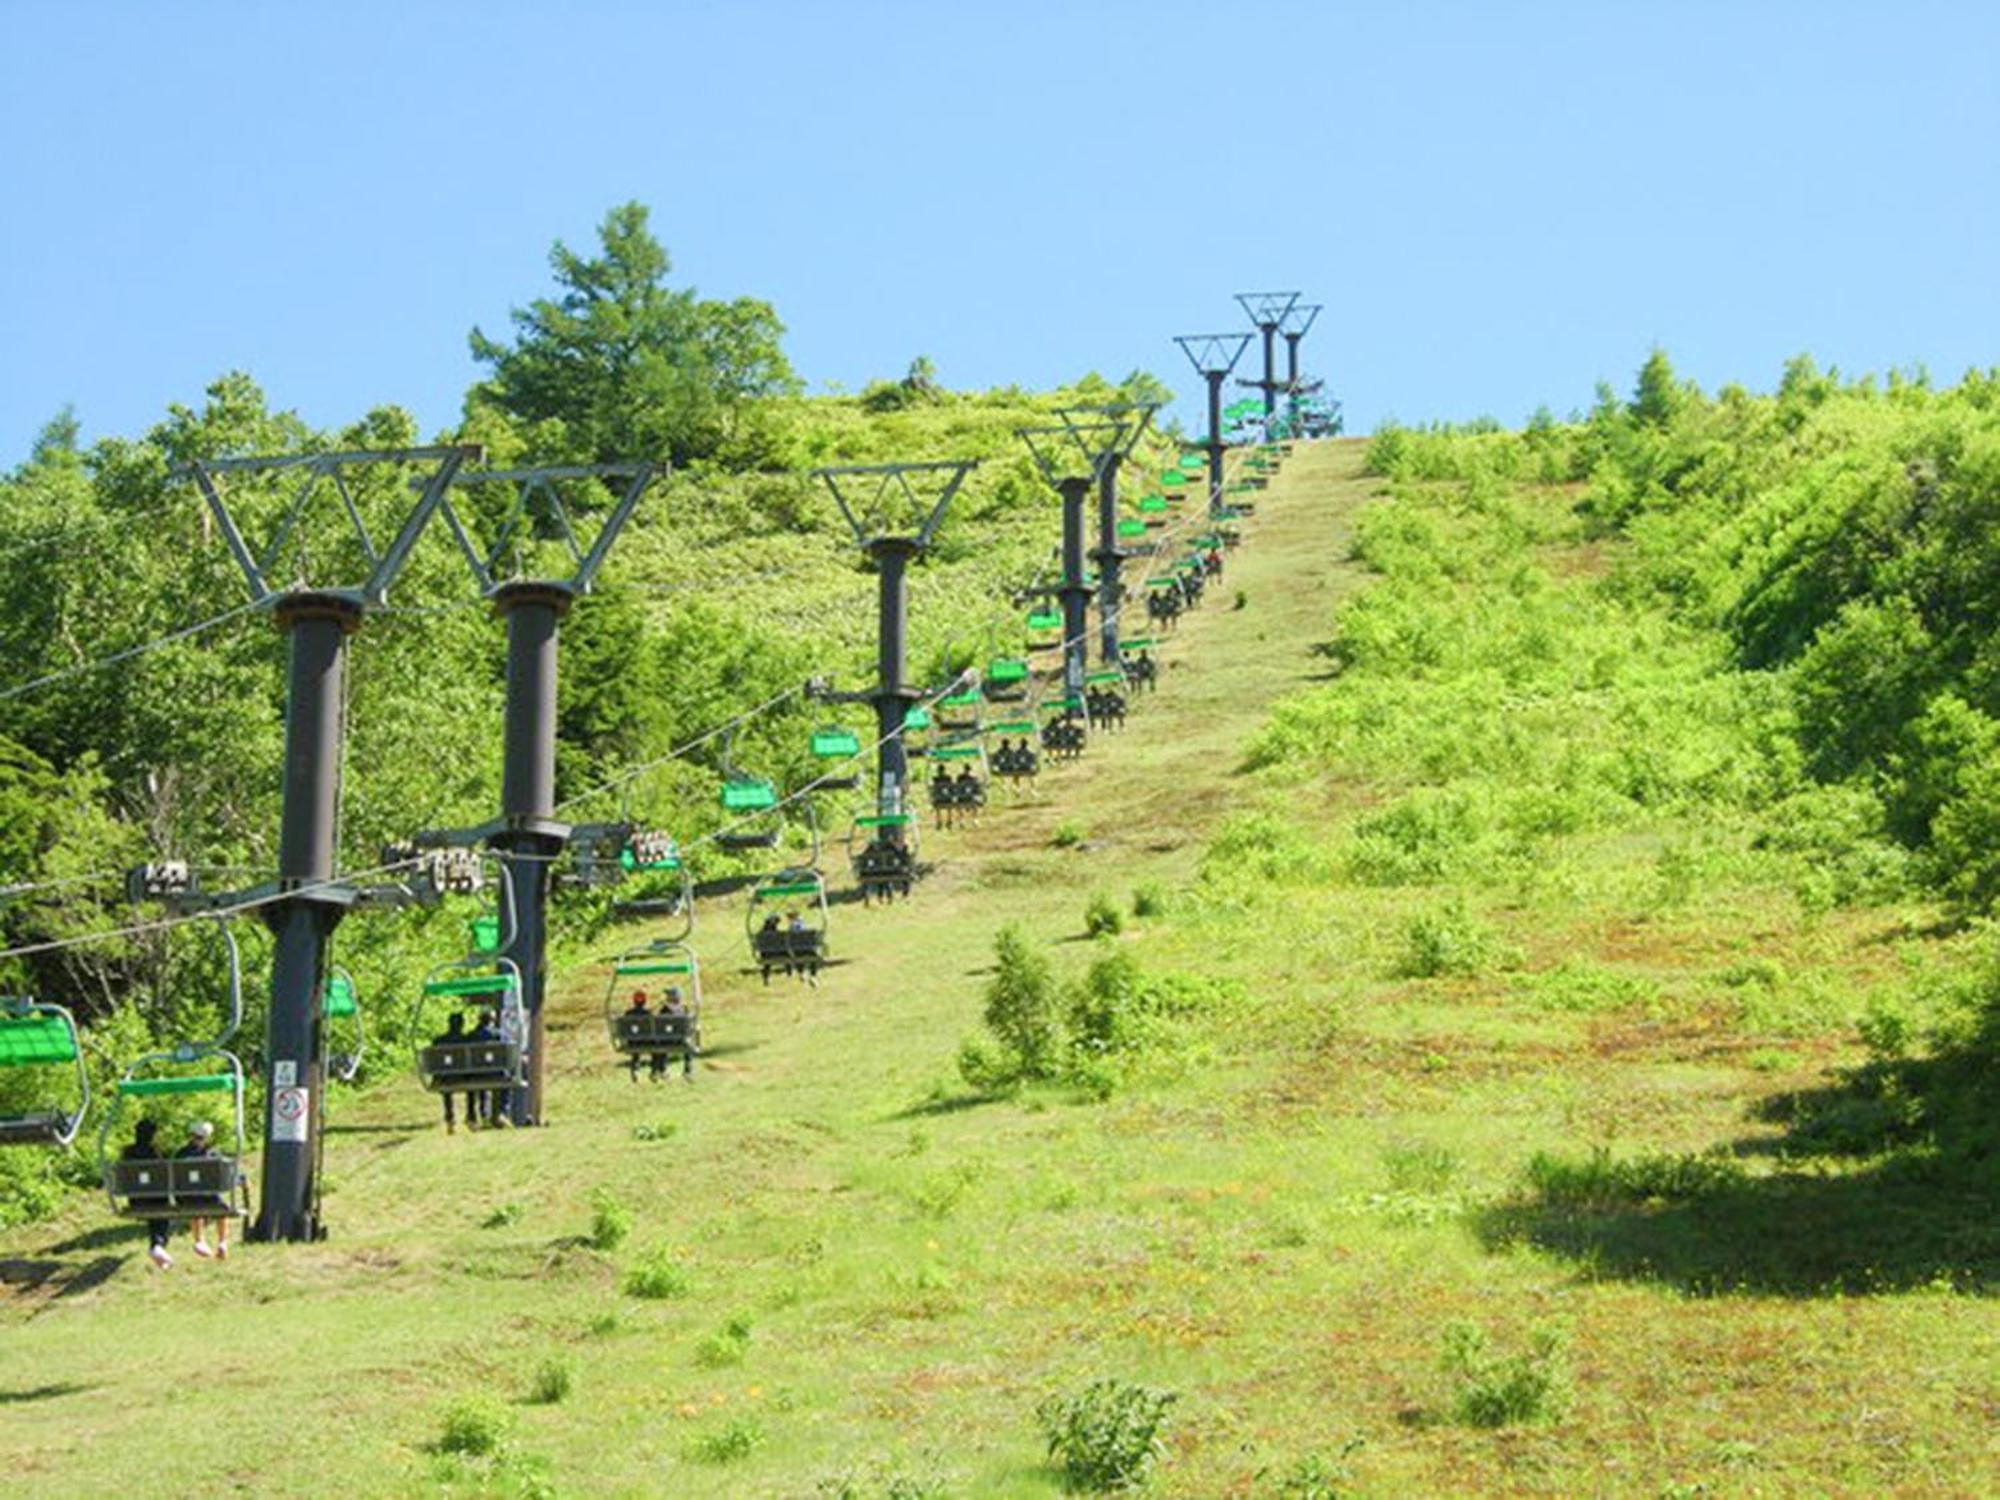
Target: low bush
[
  {"x": 726, "y": 1346},
  {"x": 554, "y": 1378},
  {"x": 731, "y": 1443},
  {"x": 1149, "y": 899},
  {"x": 610, "y": 1220},
  {"x": 1495, "y": 1390},
  {"x": 1105, "y": 1436},
  {"x": 473, "y": 1426},
  {"x": 657, "y": 1276},
  {"x": 1102, "y": 918}
]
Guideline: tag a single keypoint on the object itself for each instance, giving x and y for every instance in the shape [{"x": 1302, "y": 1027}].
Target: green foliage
[
  {"x": 1317, "y": 1475},
  {"x": 618, "y": 365},
  {"x": 555, "y": 1378},
  {"x": 732, "y": 1442},
  {"x": 658, "y": 1276},
  {"x": 1601, "y": 1181},
  {"x": 473, "y": 1425},
  {"x": 1495, "y": 1390},
  {"x": 726, "y": 1346},
  {"x": 503, "y": 1217},
  {"x": 1101, "y": 917},
  {"x": 610, "y": 1220},
  {"x": 1021, "y": 1011},
  {"x": 1105, "y": 1436},
  {"x": 1445, "y": 942},
  {"x": 1068, "y": 834},
  {"x": 1149, "y": 899}
]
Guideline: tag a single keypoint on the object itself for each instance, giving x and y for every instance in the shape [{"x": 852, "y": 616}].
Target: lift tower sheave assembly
[
  {"x": 1073, "y": 458},
  {"x": 1213, "y": 355},
  {"x": 307, "y": 902},
  {"x": 1108, "y": 555},
  {"x": 527, "y": 836},
  {"x": 1268, "y": 310},
  {"x": 894, "y": 511}
]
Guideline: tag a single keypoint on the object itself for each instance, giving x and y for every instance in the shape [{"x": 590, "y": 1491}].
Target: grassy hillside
[{"x": 1454, "y": 1127}]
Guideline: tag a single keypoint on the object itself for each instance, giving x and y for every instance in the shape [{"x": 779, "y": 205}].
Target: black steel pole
[
  {"x": 318, "y": 625},
  {"x": 1215, "y": 378},
  {"x": 1292, "y": 377},
  {"x": 530, "y": 837},
  {"x": 894, "y": 697},
  {"x": 1108, "y": 559},
  {"x": 1270, "y": 332},
  {"x": 1075, "y": 592}
]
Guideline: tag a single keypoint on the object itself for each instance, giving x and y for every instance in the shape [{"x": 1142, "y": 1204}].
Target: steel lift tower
[
  {"x": 1213, "y": 355},
  {"x": 1108, "y": 555},
  {"x": 1298, "y": 322},
  {"x": 307, "y": 902},
  {"x": 1073, "y": 459},
  {"x": 527, "y": 837},
  {"x": 894, "y": 511},
  {"x": 1268, "y": 310}
]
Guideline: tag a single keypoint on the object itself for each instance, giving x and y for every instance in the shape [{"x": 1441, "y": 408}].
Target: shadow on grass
[
  {"x": 127, "y": 1232},
  {"x": 43, "y": 1393},
  {"x": 952, "y": 1104},
  {"x": 1879, "y": 1191}
]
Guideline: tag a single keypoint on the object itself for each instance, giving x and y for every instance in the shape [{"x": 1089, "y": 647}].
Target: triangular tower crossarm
[
  {"x": 1268, "y": 309},
  {"x": 1213, "y": 353},
  {"x": 881, "y": 500},
  {"x": 1075, "y": 450},
  {"x": 538, "y": 492},
  {"x": 1298, "y": 322},
  {"x": 323, "y": 468},
  {"x": 1133, "y": 416}
]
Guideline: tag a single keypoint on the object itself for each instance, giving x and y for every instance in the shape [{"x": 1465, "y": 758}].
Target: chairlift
[
  {"x": 959, "y": 791},
  {"x": 1012, "y": 762},
  {"x": 1006, "y": 680},
  {"x": 340, "y": 1009},
  {"x": 493, "y": 983},
  {"x": 754, "y": 802},
  {"x": 182, "y": 1187},
  {"x": 834, "y": 744},
  {"x": 1065, "y": 733},
  {"x": 788, "y": 942},
  {"x": 882, "y": 848},
  {"x": 1164, "y": 601},
  {"x": 1040, "y": 621},
  {"x": 652, "y": 852},
  {"x": 1141, "y": 670},
  {"x": 1104, "y": 698},
  {"x": 669, "y": 1030},
  {"x": 39, "y": 1035}
]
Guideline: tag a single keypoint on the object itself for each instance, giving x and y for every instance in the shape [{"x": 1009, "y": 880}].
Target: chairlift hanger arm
[{"x": 1267, "y": 309}]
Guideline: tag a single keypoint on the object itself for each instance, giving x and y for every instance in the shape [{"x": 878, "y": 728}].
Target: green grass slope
[{"x": 869, "y": 1275}]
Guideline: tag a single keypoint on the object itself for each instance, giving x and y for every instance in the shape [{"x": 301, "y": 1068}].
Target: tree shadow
[
  {"x": 1877, "y": 1191},
  {"x": 43, "y": 1392}
]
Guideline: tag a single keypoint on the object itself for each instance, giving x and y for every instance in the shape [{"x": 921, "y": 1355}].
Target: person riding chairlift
[
  {"x": 488, "y": 1105},
  {"x": 146, "y": 1147},
  {"x": 201, "y": 1147},
  {"x": 674, "y": 1008},
  {"x": 452, "y": 1035},
  {"x": 636, "y": 1008}
]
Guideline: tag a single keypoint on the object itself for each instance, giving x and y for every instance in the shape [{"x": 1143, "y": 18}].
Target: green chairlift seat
[{"x": 36, "y": 1035}]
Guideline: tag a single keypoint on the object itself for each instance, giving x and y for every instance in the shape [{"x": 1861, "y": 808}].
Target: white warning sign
[{"x": 289, "y": 1108}]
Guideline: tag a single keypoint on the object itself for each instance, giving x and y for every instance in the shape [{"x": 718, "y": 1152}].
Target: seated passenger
[
  {"x": 636, "y": 1008},
  {"x": 674, "y": 1008},
  {"x": 451, "y": 1036},
  {"x": 201, "y": 1147},
  {"x": 146, "y": 1147}
]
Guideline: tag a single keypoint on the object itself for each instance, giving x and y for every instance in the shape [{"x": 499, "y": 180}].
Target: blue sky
[{"x": 1500, "y": 204}]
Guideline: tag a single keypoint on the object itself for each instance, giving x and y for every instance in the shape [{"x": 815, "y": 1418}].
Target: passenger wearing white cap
[{"x": 201, "y": 1143}]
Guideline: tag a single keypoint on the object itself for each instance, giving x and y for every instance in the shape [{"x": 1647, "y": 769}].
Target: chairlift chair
[
  {"x": 650, "y": 1034},
  {"x": 340, "y": 1010},
  {"x": 35, "y": 1034},
  {"x": 964, "y": 792},
  {"x": 1140, "y": 670},
  {"x": 1006, "y": 680},
  {"x": 1104, "y": 698},
  {"x": 776, "y": 945},
  {"x": 835, "y": 744},
  {"x": 654, "y": 853},
  {"x": 487, "y": 980},
  {"x": 882, "y": 847},
  {"x": 1067, "y": 731},
  {"x": 1011, "y": 762}
]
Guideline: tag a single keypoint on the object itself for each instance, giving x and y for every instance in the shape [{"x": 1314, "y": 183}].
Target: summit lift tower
[{"x": 1269, "y": 311}]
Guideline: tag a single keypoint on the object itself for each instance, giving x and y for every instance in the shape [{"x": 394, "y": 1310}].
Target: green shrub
[
  {"x": 726, "y": 1346},
  {"x": 1492, "y": 1390},
  {"x": 1022, "y": 1014},
  {"x": 1449, "y": 941},
  {"x": 731, "y": 1443},
  {"x": 554, "y": 1379},
  {"x": 657, "y": 1276},
  {"x": 1068, "y": 834},
  {"x": 474, "y": 1426},
  {"x": 610, "y": 1220},
  {"x": 655, "y": 1130},
  {"x": 1149, "y": 899},
  {"x": 1105, "y": 1436},
  {"x": 1316, "y": 1476},
  {"x": 1102, "y": 918}
]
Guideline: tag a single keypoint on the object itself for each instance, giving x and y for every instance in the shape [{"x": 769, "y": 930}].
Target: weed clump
[
  {"x": 1102, "y": 918},
  {"x": 555, "y": 1377},
  {"x": 1494, "y": 1390},
  {"x": 726, "y": 1346},
  {"x": 731, "y": 1443},
  {"x": 610, "y": 1220},
  {"x": 504, "y": 1216},
  {"x": 657, "y": 1276},
  {"x": 1105, "y": 1436},
  {"x": 1068, "y": 834},
  {"x": 1446, "y": 942},
  {"x": 473, "y": 1426},
  {"x": 1149, "y": 900},
  {"x": 1600, "y": 1181}
]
